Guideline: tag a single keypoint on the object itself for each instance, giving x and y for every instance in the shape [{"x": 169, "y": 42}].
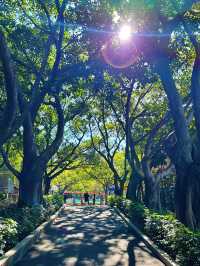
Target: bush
[
  {"x": 8, "y": 234},
  {"x": 117, "y": 201},
  {"x": 166, "y": 231},
  {"x": 163, "y": 230},
  {"x": 26, "y": 218},
  {"x": 111, "y": 200},
  {"x": 17, "y": 223},
  {"x": 188, "y": 248},
  {"x": 138, "y": 213},
  {"x": 3, "y": 196},
  {"x": 53, "y": 202},
  {"x": 173, "y": 237}
]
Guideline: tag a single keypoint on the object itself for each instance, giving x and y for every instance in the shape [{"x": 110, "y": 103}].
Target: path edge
[
  {"x": 15, "y": 254},
  {"x": 163, "y": 256}
]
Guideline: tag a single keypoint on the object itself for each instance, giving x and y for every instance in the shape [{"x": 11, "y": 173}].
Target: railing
[
  {"x": 77, "y": 198},
  {"x": 11, "y": 198}
]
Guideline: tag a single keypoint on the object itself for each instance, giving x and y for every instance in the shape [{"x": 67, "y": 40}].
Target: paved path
[{"x": 89, "y": 236}]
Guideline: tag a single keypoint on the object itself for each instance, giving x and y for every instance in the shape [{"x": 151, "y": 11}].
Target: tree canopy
[{"x": 102, "y": 93}]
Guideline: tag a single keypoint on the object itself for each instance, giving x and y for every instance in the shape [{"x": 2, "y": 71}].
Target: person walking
[
  {"x": 94, "y": 199},
  {"x": 86, "y": 198},
  {"x": 65, "y": 197},
  {"x": 74, "y": 199},
  {"x": 101, "y": 198}
]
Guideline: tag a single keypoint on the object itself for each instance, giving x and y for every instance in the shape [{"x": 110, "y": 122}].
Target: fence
[{"x": 78, "y": 198}]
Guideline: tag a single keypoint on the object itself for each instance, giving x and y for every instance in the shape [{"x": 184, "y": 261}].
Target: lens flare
[
  {"x": 125, "y": 33},
  {"x": 119, "y": 54}
]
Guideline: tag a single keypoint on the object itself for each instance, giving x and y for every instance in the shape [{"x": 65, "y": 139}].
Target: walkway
[{"x": 89, "y": 236}]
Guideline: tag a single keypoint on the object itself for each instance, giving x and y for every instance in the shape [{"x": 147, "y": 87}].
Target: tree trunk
[
  {"x": 133, "y": 185},
  {"x": 184, "y": 143},
  {"x": 121, "y": 187},
  {"x": 152, "y": 186},
  {"x": 187, "y": 195},
  {"x": 47, "y": 185},
  {"x": 8, "y": 116},
  {"x": 106, "y": 194},
  {"x": 187, "y": 169},
  {"x": 152, "y": 195},
  {"x": 140, "y": 192},
  {"x": 30, "y": 189},
  {"x": 117, "y": 190}
]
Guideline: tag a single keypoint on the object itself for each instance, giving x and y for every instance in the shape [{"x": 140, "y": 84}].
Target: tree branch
[
  {"x": 9, "y": 114},
  {"x": 8, "y": 164}
]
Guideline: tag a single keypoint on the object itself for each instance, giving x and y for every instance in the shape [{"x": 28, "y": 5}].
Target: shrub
[
  {"x": 3, "y": 196},
  {"x": 138, "y": 213},
  {"x": 167, "y": 232},
  {"x": 55, "y": 201},
  {"x": 111, "y": 200},
  {"x": 27, "y": 218},
  {"x": 163, "y": 230},
  {"x": 38, "y": 214},
  {"x": 117, "y": 201},
  {"x": 187, "y": 246},
  {"x": 8, "y": 234},
  {"x": 17, "y": 223}
]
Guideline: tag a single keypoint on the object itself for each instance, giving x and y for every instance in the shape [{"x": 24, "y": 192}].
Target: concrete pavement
[{"x": 92, "y": 236}]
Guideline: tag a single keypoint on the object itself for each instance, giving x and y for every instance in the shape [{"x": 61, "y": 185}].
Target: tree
[
  {"x": 107, "y": 138},
  {"x": 71, "y": 154},
  {"x": 184, "y": 157},
  {"x": 164, "y": 54},
  {"x": 101, "y": 173},
  {"x": 139, "y": 116},
  {"x": 37, "y": 67},
  {"x": 9, "y": 107}
]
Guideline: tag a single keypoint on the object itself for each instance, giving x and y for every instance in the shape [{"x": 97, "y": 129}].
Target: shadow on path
[{"x": 89, "y": 236}]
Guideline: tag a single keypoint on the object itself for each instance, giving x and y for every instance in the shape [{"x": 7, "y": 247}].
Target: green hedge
[
  {"x": 2, "y": 196},
  {"x": 17, "y": 223},
  {"x": 182, "y": 244},
  {"x": 8, "y": 234},
  {"x": 53, "y": 202}
]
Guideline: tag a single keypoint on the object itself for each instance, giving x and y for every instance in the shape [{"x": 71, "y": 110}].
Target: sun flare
[{"x": 125, "y": 33}]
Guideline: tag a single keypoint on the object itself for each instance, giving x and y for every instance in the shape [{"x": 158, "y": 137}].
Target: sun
[
  {"x": 120, "y": 50},
  {"x": 125, "y": 33}
]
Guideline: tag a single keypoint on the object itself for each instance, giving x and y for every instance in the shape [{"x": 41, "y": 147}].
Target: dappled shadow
[{"x": 88, "y": 236}]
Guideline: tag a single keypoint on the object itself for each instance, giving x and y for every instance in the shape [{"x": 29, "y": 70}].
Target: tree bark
[
  {"x": 184, "y": 161},
  {"x": 152, "y": 187},
  {"x": 184, "y": 145},
  {"x": 34, "y": 164},
  {"x": 187, "y": 195},
  {"x": 9, "y": 114},
  {"x": 47, "y": 185},
  {"x": 134, "y": 182},
  {"x": 117, "y": 190},
  {"x": 106, "y": 193},
  {"x": 152, "y": 195},
  {"x": 30, "y": 188}
]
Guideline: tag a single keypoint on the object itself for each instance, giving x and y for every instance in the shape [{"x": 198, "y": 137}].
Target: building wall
[
  {"x": 3, "y": 183},
  {"x": 6, "y": 180}
]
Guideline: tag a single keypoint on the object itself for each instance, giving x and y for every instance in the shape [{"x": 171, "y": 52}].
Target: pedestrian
[
  {"x": 86, "y": 198},
  {"x": 94, "y": 199},
  {"x": 101, "y": 198},
  {"x": 65, "y": 197},
  {"x": 74, "y": 199},
  {"x": 81, "y": 200}
]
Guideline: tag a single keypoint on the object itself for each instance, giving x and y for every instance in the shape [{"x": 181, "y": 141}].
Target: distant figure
[
  {"x": 101, "y": 198},
  {"x": 94, "y": 199},
  {"x": 81, "y": 200},
  {"x": 74, "y": 199},
  {"x": 65, "y": 197},
  {"x": 86, "y": 198}
]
